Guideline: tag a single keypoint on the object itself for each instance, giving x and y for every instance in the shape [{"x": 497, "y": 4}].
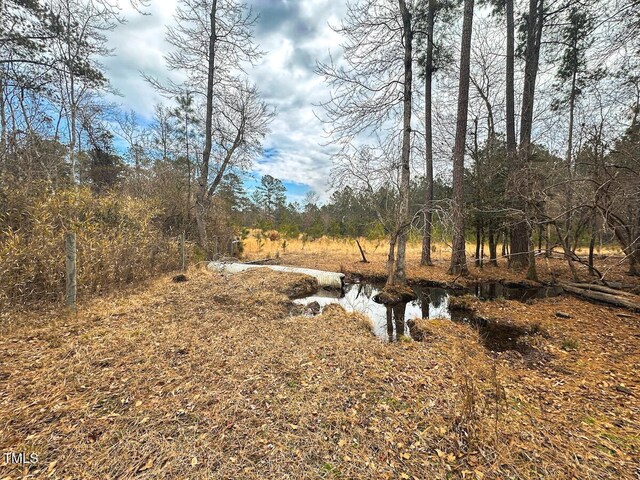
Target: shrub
[
  {"x": 117, "y": 242},
  {"x": 569, "y": 344},
  {"x": 272, "y": 235}
]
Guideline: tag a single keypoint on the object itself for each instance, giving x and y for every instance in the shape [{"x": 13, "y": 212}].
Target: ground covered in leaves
[{"x": 218, "y": 377}]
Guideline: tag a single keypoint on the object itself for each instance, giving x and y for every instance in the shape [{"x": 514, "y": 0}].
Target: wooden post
[
  {"x": 182, "y": 256},
  {"x": 70, "y": 263}
]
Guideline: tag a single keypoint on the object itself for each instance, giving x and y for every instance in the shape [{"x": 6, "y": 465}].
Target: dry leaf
[{"x": 147, "y": 465}]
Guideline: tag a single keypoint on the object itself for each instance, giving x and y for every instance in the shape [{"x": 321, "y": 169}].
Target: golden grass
[
  {"x": 212, "y": 378},
  {"x": 259, "y": 244},
  {"x": 336, "y": 254},
  {"x": 267, "y": 248}
]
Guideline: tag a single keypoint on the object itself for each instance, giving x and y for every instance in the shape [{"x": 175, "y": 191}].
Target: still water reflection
[{"x": 391, "y": 322}]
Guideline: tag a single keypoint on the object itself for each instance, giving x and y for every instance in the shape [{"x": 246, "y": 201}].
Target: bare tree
[
  {"x": 213, "y": 43},
  {"x": 522, "y": 255},
  {"x": 399, "y": 275},
  {"x": 428, "y": 133},
  {"x": 372, "y": 97},
  {"x": 431, "y": 54},
  {"x": 82, "y": 40},
  {"x": 239, "y": 132},
  {"x": 488, "y": 80}
]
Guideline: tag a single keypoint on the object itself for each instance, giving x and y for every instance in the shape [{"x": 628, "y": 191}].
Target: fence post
[
  {"x": 182, "y": 256},
  {"x": 70, "y": 264}
]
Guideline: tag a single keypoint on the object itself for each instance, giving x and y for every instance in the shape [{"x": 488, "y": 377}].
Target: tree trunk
[
  {"x": 540, "y": 227},
  {"x": 592, "y": 241},
  {"x": 634, "y": 263},
  {"x": 521, "y": 183},
  {"x": 364, "y": 258},
  {"x": 428, "y": 139},
  {"x": 391, "y": 259},
  {"x": 625, "y": 301},
  {"x": 532, "y": 273},
  {"x": 3, "y": 132},
  {"x": 188, "y": 205},
  {"x": 478, "y": 241},
  {"x": 403, "y": 219},
  {"x": 505, "y": 251},
  {"x": 547, "y": 241},
  {"x": 202, "y": 198},
  {"x": 479, "y": 197},
  {"x": 532, "y": 57},
  {"x": 510, "y": 90},
  {"x": 458, "y": 255},
  {"x": 482, "y": 240},
  {"x": 510, "y": 117},
  {"x": 569, "y": 165},
  {"x": 72, "y": 130},
  {"x": 493, "y": 248}
]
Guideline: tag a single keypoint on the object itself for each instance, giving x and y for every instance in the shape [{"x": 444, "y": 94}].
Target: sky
[{"x": 294, "y": 34}]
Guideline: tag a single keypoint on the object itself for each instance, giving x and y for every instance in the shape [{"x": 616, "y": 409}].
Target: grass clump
[
  {"x": 570, "y": 344},
  {"x": 462, "y": 303}
]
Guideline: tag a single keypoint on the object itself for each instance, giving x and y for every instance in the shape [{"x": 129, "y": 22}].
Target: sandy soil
[{"x": 215, "y": 378}]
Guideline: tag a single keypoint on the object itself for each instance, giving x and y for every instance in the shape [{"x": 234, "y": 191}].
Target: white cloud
[{"x": 294, "y": 35}]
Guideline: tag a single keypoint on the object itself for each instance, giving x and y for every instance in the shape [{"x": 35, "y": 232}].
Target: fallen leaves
[
  {"x": 259, "y": 394},
  {"x": 446, "y": 457}
]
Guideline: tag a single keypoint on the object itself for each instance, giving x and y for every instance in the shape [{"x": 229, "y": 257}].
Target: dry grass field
[
  {"x": 223, "y": 377},
  {"x": 343, "y": 255}
]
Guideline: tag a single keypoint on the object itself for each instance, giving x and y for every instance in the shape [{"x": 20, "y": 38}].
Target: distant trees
[
  {"x": 187, "y": 122},
  {"x": 618, "y": 190},
  {"x": 271, "y": 195},
  {"x": 50, "y": 76}
]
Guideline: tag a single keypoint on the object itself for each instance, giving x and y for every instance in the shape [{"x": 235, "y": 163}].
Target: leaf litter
[{"x": 216, "y": 378}]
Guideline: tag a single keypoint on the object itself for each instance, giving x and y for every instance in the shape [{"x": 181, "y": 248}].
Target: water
[{"x": 431, "y": 302}]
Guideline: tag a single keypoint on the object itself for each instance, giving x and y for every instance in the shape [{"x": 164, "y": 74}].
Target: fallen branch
[
  {"x": 628, "y": 301},
  {"x": 364, "y": 259},
  {"x": 603, "y": 289},
  {"x": 252, "y": 262}
]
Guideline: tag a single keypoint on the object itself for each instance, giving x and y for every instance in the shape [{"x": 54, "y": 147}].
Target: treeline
[
  {"x": 532, "y": 107},
  {"x": 536, "y": 102},
  {"x": 347, "y": 213}
]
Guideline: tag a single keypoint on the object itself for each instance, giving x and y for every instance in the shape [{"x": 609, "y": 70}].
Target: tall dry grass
[
  {"x": 270, "y": 243},
  {"x": 117, "y": 242}
]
